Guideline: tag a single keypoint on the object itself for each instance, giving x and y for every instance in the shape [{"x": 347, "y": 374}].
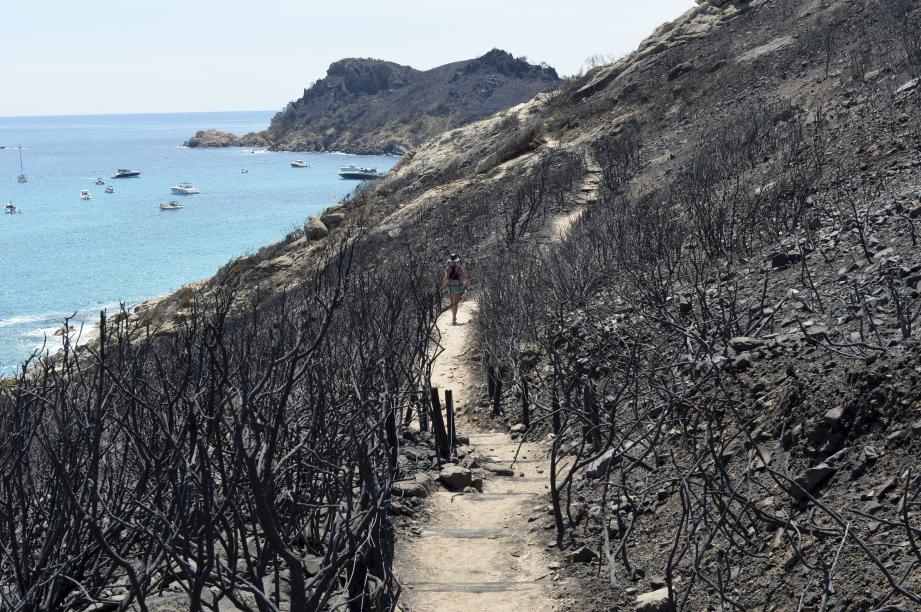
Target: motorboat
[
  {"x": 86, "y": 195},
  {"x": 185, "y": 189},
  {"x": 10, "y": 208},
  {"x": 172, "y": 205},
  {"x": 354, "y": 173},
  {"x": 99, "y": 181},
  {"x": 110, "y": 189},
  {"x": 22, "y": 178},
  {"x": 123, "y": 173},
  {"x": 244, "y": 171},
  {"x": 299, "y": 163}
]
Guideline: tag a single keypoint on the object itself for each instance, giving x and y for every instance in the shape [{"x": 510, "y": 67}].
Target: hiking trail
[{"x": 478, "y": 551}]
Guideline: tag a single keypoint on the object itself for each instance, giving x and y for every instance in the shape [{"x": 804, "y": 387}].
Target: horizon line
[{"x": 138, "y": 113}]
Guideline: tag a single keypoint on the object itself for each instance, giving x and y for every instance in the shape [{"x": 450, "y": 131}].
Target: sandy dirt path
[{"x": 478, "y": 552}]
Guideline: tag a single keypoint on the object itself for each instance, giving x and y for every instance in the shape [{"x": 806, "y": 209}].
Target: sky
[{"x": 66, "y": 57}]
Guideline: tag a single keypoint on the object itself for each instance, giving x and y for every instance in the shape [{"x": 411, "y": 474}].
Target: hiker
[{"x": 455, "y": 279}]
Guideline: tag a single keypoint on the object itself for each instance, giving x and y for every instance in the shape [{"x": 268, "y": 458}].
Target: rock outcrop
[{"x": 217, "y": 139}]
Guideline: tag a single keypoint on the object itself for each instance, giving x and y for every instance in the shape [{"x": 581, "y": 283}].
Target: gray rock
[
  {"x": 833, "y": 417},
  {"x": 654, "y": 601},
  {"x": 455, "y": 477},
  {"x": 518, "y": 428},
  {"x": 809, "y": 480},
  {"x": 908, "y": 86},
  {"x": 332, "y": 220},
  {"x": 742, "y": 344},
  {"x": 599, "y": 467},
  {"x": 498, "y": 469},
  {"x": 477, "y": 483},
  {"x": 421, "y": 485},
  {"x": 315, "y": 229},
  {"x": 581, "y": 555}
]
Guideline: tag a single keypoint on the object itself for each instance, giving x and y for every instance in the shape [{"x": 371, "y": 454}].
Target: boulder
[
  {"x": 581, "y": 555},
  {"x": 518, "y": 428},
  {"x": 810, "y": 479},
  {"x": 455, "y": 477},
  {"x": 654, "y": 601},
  {"x": 315, "y": 229},
  {"x": 332, "y": 220}
]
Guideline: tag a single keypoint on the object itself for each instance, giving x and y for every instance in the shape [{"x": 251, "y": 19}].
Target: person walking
[{"x": 455, "y": 280}]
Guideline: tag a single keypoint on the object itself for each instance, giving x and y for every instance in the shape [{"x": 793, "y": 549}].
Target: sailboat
[{"x": 22, "y": 178}]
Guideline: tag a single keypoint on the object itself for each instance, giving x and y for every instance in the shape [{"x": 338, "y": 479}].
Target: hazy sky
[{"x": 128, "y": 56}]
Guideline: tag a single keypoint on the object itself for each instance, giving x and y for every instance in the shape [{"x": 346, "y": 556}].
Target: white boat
[
  {"x": 244, "y": 171},
  {"x": 22, "y": 178},
  {"x": 110, "y": 190},
  {"x": 354, "y": 173},
  {"x": 299, "y": 163},
  {"x": 99, "y": 181},
  {"x": 185, "y": 189},
  {"x": 123, "y": 173},
  {"x": 173, "y": 205},
  {"x": 86, "y": 195},
  {"x": 10, "y": 208}
]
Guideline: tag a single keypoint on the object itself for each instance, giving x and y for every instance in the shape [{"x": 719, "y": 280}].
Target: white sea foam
[{"x": 23, "y": 319}]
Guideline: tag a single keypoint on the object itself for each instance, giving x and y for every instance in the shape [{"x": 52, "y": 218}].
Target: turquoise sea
[{"x": 64, "y": 255}]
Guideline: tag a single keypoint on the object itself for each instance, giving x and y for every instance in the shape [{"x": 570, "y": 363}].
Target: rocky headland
[{"x": 370, "y": 106}]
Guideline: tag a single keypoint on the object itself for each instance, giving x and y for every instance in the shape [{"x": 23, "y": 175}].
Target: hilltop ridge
[{"x": 372, "y": 106}]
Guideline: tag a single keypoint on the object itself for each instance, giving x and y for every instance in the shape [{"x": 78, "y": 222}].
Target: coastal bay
[{"x": 64, "y": 255}]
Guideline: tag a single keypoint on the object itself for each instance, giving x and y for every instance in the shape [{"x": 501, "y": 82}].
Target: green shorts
[{"x": 458, "y": 289}]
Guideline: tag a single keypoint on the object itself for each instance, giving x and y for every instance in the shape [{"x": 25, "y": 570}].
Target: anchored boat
[
  {"x": 354, "y": 173},
  {"x": 185, "y": 189},
  {"x": 123, "y": 173},
  {"x": 173, "y": 205}
]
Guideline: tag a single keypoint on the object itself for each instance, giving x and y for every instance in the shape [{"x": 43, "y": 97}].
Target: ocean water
[{"x": 64, "y": 255}]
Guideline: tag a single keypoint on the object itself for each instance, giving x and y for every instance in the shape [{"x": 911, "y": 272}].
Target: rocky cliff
[{"x": 374, "y": 106}]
